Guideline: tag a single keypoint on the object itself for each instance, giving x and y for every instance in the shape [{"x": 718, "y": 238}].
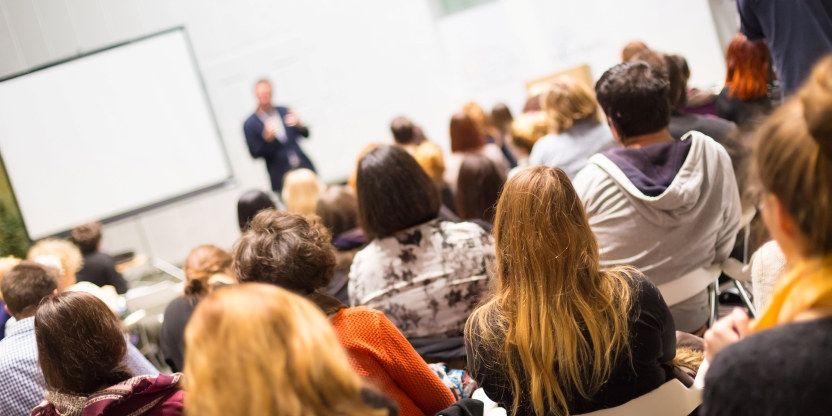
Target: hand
[
  {"x": 292, "y": 119},
  {"x": 269, "y": 132},
  {"x": 725, "y": 332}
]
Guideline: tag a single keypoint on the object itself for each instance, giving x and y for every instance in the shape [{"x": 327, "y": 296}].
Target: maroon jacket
[{"x": 141, "y": 396}]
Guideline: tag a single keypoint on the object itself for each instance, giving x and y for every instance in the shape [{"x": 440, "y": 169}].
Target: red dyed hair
[
  {"x": 748, "y": 68},
  {"x": 466, "y": 135}
]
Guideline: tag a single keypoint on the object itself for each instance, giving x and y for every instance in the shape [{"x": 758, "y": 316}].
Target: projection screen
[{"x": 109, "y": 134}]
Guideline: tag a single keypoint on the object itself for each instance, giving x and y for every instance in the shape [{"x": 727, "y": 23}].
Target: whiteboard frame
[{"x": 227, "y": 181}]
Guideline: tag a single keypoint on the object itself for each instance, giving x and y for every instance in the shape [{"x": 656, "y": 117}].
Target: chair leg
[
  {"x": 746, "y": 299},
  {"x": 713, "y": 302}
]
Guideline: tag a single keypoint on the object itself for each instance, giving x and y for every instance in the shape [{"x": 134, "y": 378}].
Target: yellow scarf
[{"x": 806, "y": 286}]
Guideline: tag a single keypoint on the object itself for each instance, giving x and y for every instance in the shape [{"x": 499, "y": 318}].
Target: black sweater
[
  {"x": 653, "y": 346},
  {"x": 782, "y": 371}
]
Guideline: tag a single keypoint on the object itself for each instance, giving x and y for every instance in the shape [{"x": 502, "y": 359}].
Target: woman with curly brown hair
[
  {"x": 295, "y": 253},
  {"x": 206, "y": 267}
]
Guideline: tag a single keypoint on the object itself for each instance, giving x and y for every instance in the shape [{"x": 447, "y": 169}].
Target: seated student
[
  {"x": 561, "y": 335},
  {"x": 66, "y": 257},
  {"x": 292, "y": 252},
  {"x": 665, "y": 206},
  {"x": 99, "y": 268},
  {"x": 681, "y": 121},
  {"x": 745, "y": 98},
  {"x": 478, "y": 188},
  {"x": 338, "y": 210},
  {"x": 780, "y": 366},
  {"x": 21, "y": 380},
  {"x": 526, "y": 130},
  {"x": 249, "y": 204},
  {"x": 576, "y": 132},
  {"x": 467, "y": 137},
  {"x": 206, "y": 267},
  {"x": 6, "y": 264},
  {"x": 429, "y": 156},
  {"x": 490, "y": 131},
  {"x": 301, "y": 188},
  {"x": 426, "y": 274},
  {"x": 405, "y": 134},
  {"x": 255, "y": 349},
  {"x": 80, "y": 352}
]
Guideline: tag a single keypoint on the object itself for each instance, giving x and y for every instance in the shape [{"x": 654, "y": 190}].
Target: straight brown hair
[
  {"x": 80, "y": 344},
  {"x": 794, "y": 158}
]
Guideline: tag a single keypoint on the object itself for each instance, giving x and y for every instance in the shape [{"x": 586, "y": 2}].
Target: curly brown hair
[{"x": 286, "y": 250}]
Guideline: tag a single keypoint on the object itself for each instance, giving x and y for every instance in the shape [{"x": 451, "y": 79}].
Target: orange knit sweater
[{"x": 383, "y": 356}]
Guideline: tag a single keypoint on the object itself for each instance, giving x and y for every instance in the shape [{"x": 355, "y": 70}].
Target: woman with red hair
[{"x": 745, "y": 97}]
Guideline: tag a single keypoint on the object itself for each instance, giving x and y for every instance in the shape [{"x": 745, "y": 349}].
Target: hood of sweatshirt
[{"x": 667, "y": 182}]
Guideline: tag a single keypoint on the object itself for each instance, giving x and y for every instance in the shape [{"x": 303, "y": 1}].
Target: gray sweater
[
  {"x": 571, "y": 149},
  {"x": 691, "y": 222}
]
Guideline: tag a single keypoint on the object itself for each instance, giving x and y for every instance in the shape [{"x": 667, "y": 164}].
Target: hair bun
[{"x": 816, "y": 99}]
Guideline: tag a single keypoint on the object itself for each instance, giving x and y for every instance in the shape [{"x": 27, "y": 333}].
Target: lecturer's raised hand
[
  {"x": 292, "y": 120},
  {"x": 726, "y": 331},
  {"x": 269, "y": 132}
]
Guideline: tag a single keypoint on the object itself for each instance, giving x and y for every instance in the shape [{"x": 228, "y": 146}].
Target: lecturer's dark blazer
[{"x": 275, "y": 153}]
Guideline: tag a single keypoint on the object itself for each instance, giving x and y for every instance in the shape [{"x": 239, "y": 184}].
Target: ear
[
  {"x": 616, "y": 134},
  {"x": 8, "y": 311}
]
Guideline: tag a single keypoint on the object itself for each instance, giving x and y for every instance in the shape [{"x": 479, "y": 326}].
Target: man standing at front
[{"x": 272, "y": 133}]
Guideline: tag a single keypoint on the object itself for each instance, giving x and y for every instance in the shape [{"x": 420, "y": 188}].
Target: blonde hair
[
  {"x": 301, "y": 188},
  {"x": 6, "y": 264},
  {"x": 793, "y": 158},
  {"x": 68, "y": 255},
  {"x": 556, "y": 321},
  {"x": 257, "y": 349},
  {"x": 527, "y": 129},
  {"x": 206, "y": 266},
  {"x": 429, "y": 156},
  {"x": 568, "y": 101}
]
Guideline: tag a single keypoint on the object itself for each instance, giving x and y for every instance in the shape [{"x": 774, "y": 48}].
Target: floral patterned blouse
[{"x": 427, "y": 279}]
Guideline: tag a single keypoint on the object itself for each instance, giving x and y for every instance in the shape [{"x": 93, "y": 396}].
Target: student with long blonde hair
[
  {"x": 559, "y": 335},
  {"x": 301, "y": 188},
  {"x": 782, "y": 366},
  {"x": 256, "y": 349}
]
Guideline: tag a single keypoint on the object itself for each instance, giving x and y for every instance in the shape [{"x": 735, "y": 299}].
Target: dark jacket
[
  {"x": 275, "y": 153},
  {"x": 100, "y": 270}
]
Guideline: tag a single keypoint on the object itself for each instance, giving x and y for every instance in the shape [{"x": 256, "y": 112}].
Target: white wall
[{"x": 348, "y": 67}]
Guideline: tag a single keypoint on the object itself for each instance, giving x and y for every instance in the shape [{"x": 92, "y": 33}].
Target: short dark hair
[
  {"x": 338, "y": 210},
  {"x": 501, "y": 116},
  {"x": 404, "y": 132},
  {"x": 286, "y": 250},
  {"x": 25, "y": 285},
  {"x": 87, "y": 237},
  {"x": 249, "y": 204},
  {"x": 394, "y": 192},
  {"x": 635, "y": 97},
  {"x": 678, "y": 73},
  {"x": 479, "y": 185},
  {"x": 80, "y": 344}
]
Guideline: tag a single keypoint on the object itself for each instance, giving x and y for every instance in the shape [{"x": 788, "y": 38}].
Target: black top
[
  {"x": 712, "y": 126},
  {"x": 100, "y": 269},
  {"x": 653, "y": 347},
  {"x": 782, "y": 371},
  {"x": 172, "y": 337},
  {"x": 798, "y": 34},
  {"x": 745, "y": 113}
]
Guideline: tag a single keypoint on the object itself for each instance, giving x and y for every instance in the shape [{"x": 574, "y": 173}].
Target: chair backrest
[
  {"x": 685, "y": 287},
  {"x": 670, "y": 399}
]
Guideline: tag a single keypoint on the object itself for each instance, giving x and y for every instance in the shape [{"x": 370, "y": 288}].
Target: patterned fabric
[
  {"x": 427, "y": 279},
  {"x": 21, "y": 382},
  {"x": 459, "y": 381},
  {"x": 137, "y": 396}
]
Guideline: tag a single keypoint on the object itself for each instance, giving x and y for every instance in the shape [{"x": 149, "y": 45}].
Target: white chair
[{"x": 670, "y": 399}]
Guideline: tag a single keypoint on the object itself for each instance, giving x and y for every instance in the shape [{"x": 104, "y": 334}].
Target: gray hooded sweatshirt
[{"x": 666, "y": 209}]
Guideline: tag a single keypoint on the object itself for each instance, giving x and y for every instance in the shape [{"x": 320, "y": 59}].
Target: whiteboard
[{"x": 108, "y": 134}]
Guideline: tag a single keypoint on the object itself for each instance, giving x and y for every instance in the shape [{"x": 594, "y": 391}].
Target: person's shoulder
[{"x": 464, "y": 230}]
